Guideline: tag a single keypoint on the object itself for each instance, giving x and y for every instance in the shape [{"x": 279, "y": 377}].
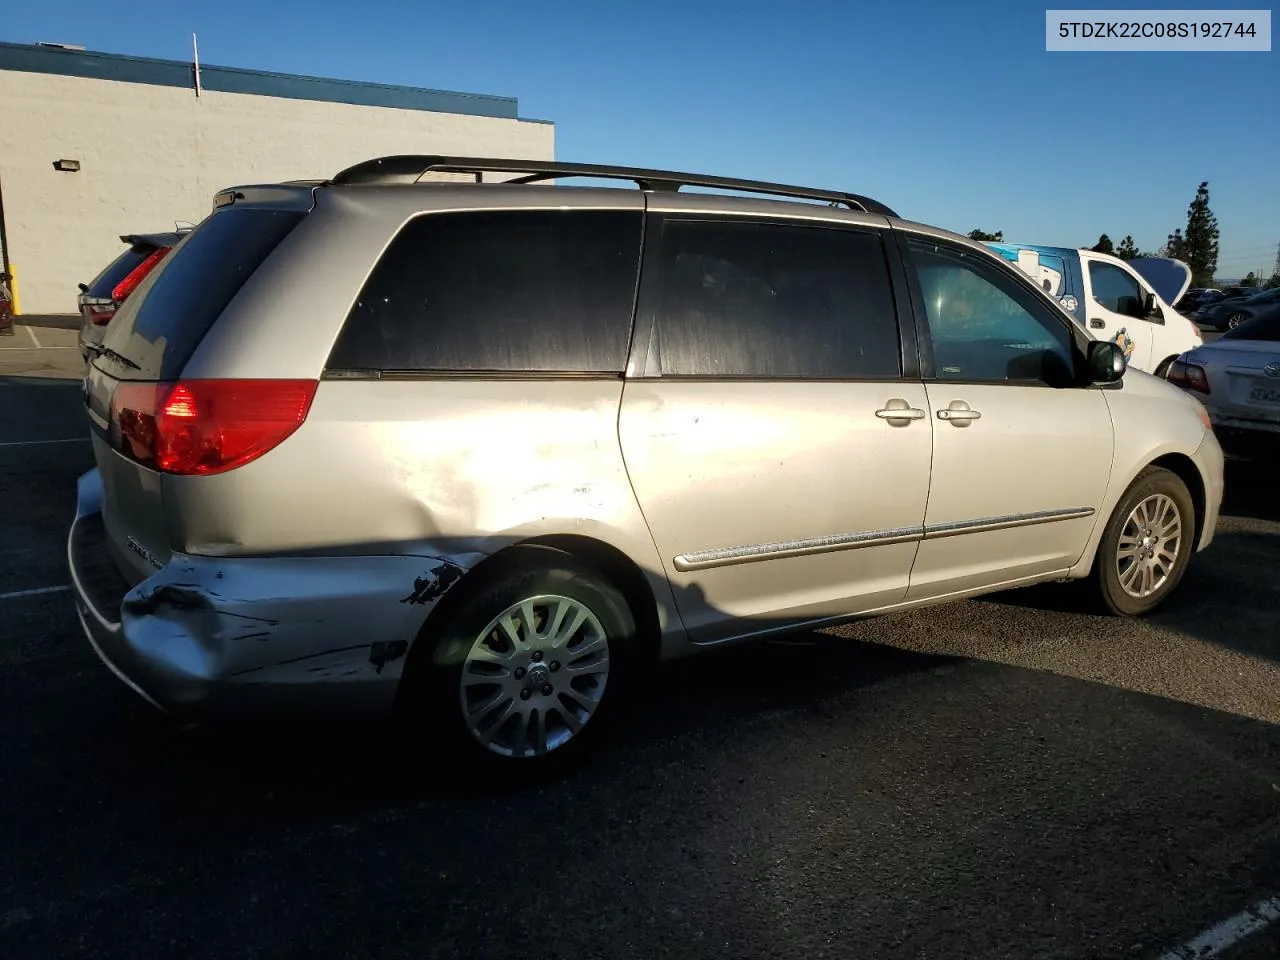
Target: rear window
[
  {"x": 534, "y": 291},
  {"x": 159, "y": 327},
  {"x": 117, "y": 270}
]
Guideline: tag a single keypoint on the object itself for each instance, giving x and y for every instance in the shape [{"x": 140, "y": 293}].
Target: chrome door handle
[
  {"x": 899, "y": 409},
  {"x": 959, "y": 413}
]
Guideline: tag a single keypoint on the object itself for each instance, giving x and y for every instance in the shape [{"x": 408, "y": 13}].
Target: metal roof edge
[{"x": 125, "y": 68}]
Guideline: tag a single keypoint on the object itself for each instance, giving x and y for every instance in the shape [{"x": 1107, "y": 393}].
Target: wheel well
[
  {"x": 623, "y": 573},
  {"x": 614, "y": 565},
  {"x": 1188, "y": 473}
]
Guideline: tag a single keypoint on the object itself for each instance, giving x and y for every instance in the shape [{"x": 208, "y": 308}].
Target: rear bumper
[{"x": 228, "y": 638}]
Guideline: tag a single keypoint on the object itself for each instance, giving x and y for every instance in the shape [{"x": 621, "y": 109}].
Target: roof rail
[{"x": 411, "y": 168}]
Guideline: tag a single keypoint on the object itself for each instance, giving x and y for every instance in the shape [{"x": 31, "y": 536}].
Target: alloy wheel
[
  {"x": 1148, "y": 546},
  {"x": 535, "y": 676}
]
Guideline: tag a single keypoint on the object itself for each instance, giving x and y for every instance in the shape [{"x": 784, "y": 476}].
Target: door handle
[
  {"x": 1097, "y": 324},
  {"x": 899, "y": 409},
  {"x": 959, "y": 413}
]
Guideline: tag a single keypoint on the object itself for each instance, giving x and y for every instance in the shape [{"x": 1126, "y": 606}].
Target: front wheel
[
  {"x": 1146, "y": 545},
  {"x": 524, "y": 671}
]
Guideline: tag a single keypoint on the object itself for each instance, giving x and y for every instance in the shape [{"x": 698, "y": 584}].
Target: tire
[
  {"x": 548, "y": 689},
  {"x": 1162, "y": 494}
]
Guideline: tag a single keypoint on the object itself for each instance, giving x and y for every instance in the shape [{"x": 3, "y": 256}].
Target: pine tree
[
  {"x": 981, "y": 235},
  {"x": 1104, "y": 245},
  {"x": 1176, "y": 247},
  {"x": 1200, "y": 250},
  {"x": 1127, "y": 250}
]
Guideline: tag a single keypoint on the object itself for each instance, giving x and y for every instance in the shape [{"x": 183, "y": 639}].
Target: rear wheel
[
  {"x": 525, "y": 670},
  {"x": 1146, "y": 545}
]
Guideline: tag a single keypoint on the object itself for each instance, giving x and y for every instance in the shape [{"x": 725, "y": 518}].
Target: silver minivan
[{"x": 481, "y": 452}]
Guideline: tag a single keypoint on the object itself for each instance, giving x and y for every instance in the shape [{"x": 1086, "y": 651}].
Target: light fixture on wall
[{"x": 68, "y": 166}]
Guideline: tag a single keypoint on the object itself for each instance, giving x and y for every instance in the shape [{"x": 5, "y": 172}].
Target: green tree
[
  {"x": 1274, "y": 281},
  {"x": 1200, "y": 250},
  {"x": 1127, "y": 250},
  {"x": 1104, "y": 245},
  {"x": 1176, "y": 247},
  {"x": 982, "y": 235},
  {"x": 1250, "y": 281}
]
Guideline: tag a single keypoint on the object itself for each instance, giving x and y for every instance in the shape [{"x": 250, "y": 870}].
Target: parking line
[
  {"x": 37, "y": 592},
  {"x": 36, "y": 443},
  {"x": 33, "y": 338},
  {"x": 1225, "y": 935}
]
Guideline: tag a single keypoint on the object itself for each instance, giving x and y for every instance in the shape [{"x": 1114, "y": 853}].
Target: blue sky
[{"x": 952, "y": 113}]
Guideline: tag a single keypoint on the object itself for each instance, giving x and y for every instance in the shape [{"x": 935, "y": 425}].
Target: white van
[{"x": 1128, "y": 302}]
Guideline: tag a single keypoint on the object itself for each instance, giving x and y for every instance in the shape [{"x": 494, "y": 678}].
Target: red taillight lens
[
  {"x": 1188, "y": 375},
  {"x": 201, "y": 427},
  {"x": 137, "y": 274},
  {"x": 100, "y": 314}
]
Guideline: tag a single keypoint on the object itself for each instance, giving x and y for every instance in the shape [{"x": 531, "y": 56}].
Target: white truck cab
[{"x": 1127, "y": 302}]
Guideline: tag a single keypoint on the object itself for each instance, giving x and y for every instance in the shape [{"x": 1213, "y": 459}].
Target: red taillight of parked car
[
  {"x": 139, "y": 273},
  {"x": 203, "y": 427},
  {"x": 1188, "y": 375}
]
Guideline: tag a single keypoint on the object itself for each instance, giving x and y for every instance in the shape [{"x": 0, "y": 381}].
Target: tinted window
[
  {"x": 763, "y": 300},
  {"x": 984, "y": 326},
  {"x": 533, "y": 290},
  {"x": 117, "y": 270},
  {"x": 1115, "y": 289},
  {"x": 160, "y": 325}
]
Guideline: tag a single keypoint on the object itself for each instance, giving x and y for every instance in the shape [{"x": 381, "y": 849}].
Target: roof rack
[{"x": 411, "y": 169}]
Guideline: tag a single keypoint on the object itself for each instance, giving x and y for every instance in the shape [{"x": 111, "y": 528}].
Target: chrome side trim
[
  {"x": 727, "y": 556},
  {"x": 794, "y": 548},
  {"x": 935, "y": 530}
]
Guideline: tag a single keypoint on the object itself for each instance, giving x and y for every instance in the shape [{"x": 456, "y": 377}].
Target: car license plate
[{"x": 1264, "y": 395}]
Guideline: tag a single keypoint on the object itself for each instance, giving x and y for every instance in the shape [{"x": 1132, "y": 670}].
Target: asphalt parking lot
[{"x": 1011, "y": 777}]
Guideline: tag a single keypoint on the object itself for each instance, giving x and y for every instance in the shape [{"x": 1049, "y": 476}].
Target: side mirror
[{"x": 1105, "y": 362}]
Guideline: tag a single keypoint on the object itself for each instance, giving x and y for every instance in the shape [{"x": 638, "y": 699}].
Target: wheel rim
[
  {"x": 1149, "y": 543},
  {"x": 534, "y": 677},
  {"x": 1234, "y": 320}
]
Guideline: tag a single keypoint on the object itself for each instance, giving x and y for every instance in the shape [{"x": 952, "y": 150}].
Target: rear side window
[
  {"x": 744, "y": 299},
  {"x": 160, "y": 325},
  {"x": 534, "y": 291},
  {"x": 117, "y": 270}
]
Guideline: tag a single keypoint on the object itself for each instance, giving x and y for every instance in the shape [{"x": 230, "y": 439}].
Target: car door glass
[
  {"x": 1115, "y": 290},
  {"x": 776, "y": 301},
  {"x": 983, "y": 327}
]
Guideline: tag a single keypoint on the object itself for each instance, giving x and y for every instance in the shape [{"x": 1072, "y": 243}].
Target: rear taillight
[
  {"x": 201, "y": 427},
  {"x": 137, "y": 275},
  {"x": 100, "y": 314},
  {"x": 1188, "y": 375}
]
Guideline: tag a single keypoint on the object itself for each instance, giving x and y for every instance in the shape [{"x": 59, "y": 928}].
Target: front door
[
  {"x": 1021, "y": 460},
  {"x": 779, "y": 455},
  {"x": 1115, "y": 309}
]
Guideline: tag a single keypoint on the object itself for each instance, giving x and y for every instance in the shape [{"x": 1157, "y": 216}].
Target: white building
[{"x": 150, "y": 142}]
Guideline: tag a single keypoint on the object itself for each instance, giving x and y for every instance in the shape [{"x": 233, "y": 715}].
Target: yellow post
[{"x": 13, "y": 288}]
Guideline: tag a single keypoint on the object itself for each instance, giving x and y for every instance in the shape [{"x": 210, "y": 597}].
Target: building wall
[{"x": 151, "y": 154}]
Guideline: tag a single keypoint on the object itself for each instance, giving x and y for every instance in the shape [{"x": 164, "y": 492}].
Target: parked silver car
[
  {"x": 482, "y": 451},
  {"x": 1237, "y": 378}
]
